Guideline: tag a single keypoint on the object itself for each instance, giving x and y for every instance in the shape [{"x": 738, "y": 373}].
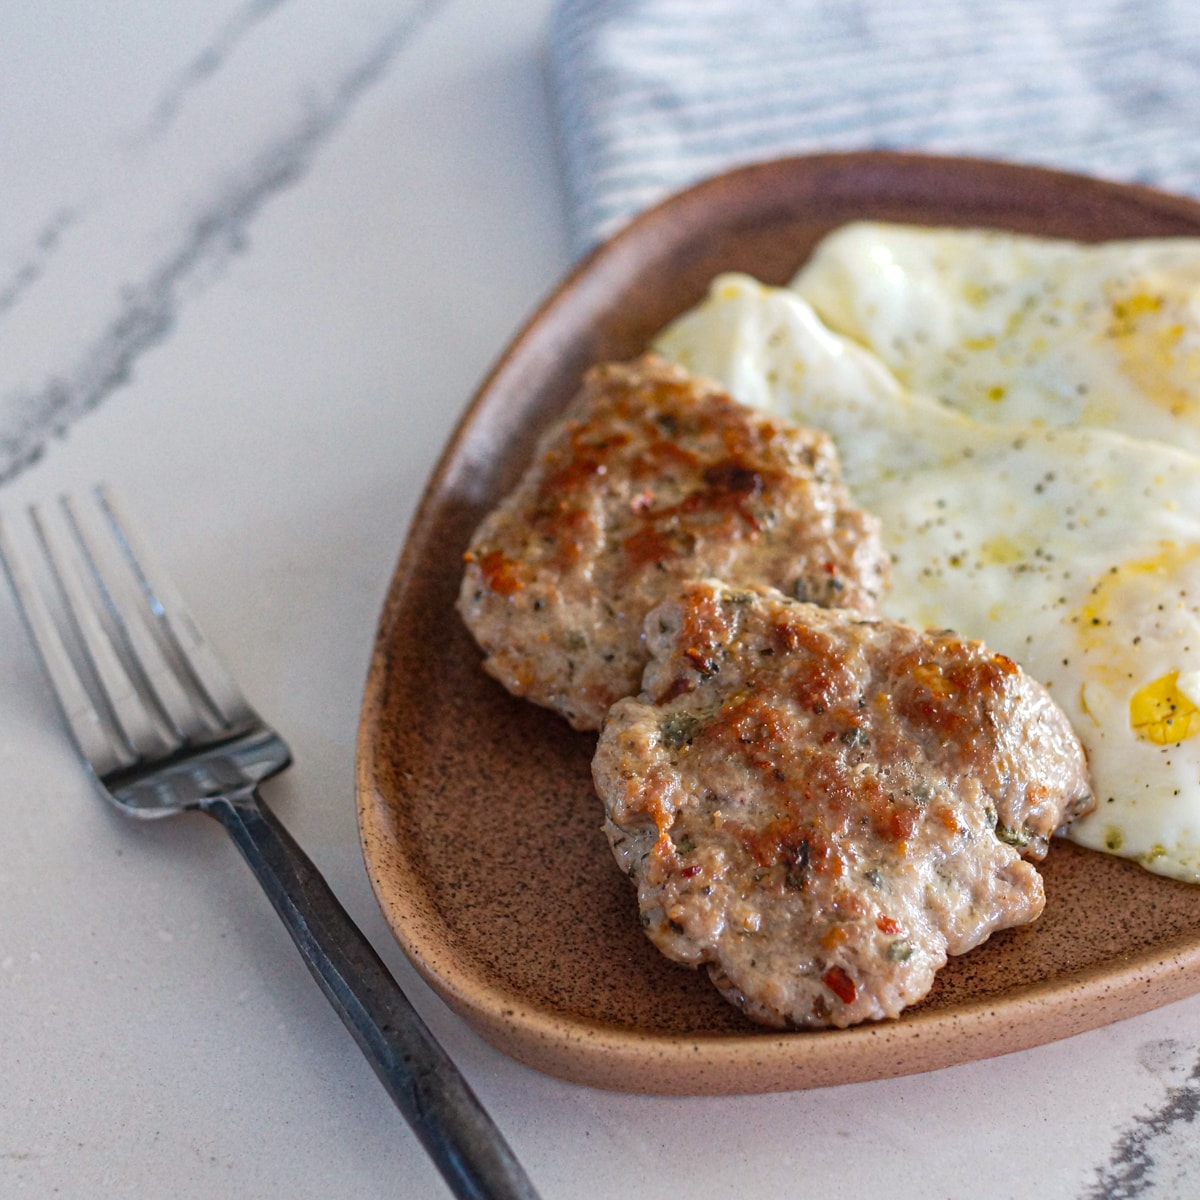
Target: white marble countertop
[{"x": 255, "y": 256}]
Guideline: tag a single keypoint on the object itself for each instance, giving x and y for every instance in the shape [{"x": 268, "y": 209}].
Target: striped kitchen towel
[{"x": 651, "y": 95}]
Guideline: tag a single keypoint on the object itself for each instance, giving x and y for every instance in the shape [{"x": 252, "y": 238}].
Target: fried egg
[
  {"x": 1076, "y": 551},
  {"x": 1023, "y": 329}
]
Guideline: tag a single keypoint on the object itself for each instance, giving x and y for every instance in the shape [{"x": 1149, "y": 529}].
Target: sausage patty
[
  {"x": 821, "y": 806},
  {"x": 654, "y": 478}
]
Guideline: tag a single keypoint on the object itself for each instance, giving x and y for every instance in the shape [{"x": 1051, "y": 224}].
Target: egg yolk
[
  {"x": 1160, "y": 713},
  {"x": 1149, "y": 338}
]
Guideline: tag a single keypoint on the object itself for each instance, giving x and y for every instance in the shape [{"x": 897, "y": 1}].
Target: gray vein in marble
[
  {"x": 31, "y": 267},
  {"x": 202, "y": 67},
  {"x": 209, "y": 60},
  {"x": 1157, "y": 1154},
  {"x": 146, "y": 311}
]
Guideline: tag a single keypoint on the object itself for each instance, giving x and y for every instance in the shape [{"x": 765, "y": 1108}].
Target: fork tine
[
  {"x": 95, "y": 732},
  {"x": 155, "y": 675},
  {"x": 175, "y": 624},
  {"x": 143, "y": 729}
]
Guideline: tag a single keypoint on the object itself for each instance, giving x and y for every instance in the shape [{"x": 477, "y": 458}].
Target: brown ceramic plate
[{"x": 479, "y": 825}]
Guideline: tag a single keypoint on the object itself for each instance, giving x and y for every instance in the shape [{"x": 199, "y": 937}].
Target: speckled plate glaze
[{"x": 480, "y": 829}]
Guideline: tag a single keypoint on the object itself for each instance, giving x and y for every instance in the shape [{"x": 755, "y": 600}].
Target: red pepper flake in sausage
[{"x": 840, "y": 984}]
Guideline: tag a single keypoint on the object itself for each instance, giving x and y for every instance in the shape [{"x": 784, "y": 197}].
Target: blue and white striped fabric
[{"x": 652, "y": 95}]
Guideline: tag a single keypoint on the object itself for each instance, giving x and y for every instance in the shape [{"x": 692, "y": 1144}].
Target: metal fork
[{"x": 164, "y": 730}]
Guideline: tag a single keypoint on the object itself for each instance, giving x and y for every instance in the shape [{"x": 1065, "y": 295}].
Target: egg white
[
  {"x": 1076, "y": 551},
  {"x": 1023, "y": 329}
]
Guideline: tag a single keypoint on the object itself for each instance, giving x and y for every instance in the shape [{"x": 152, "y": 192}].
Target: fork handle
[{"x": 428, "y": 1088}]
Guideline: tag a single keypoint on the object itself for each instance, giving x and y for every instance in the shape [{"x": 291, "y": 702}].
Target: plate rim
[{"x": 615, "y": 1057}]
